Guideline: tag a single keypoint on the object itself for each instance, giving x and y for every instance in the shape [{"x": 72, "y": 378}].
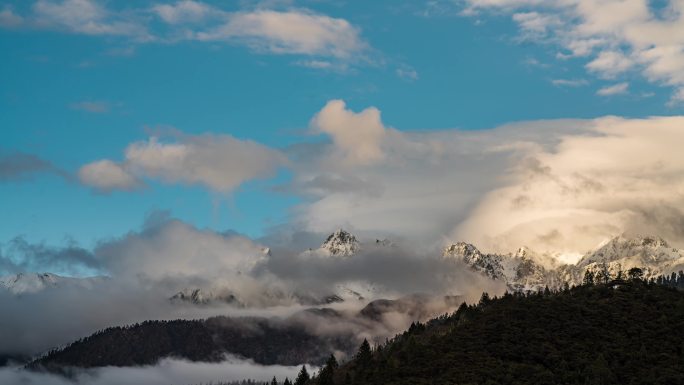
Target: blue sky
[{"x": 79, "y": 88}]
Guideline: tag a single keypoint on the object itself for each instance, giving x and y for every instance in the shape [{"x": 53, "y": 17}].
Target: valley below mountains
[{"x": 334, "y": 320}]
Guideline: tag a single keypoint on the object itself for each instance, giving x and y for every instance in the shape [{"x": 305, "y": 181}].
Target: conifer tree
[
  {"x": 326, "y": 376},
  {"x": 302, "y": 377},
  {"x": 364, "y": 355}
]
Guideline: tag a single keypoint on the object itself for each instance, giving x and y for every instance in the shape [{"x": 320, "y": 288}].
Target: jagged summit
[
  {"x": 341, "y": 243},
  {"x": 460, "y": 249},
  {"x": 527, "y": 270}
]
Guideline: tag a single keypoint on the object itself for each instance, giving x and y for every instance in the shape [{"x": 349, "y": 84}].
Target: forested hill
[
  {"x": 265, "y": 341},
  {"x": 619, "y": 333}
]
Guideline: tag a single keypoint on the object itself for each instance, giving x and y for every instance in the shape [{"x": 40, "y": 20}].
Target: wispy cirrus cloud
[
  {"x": 616, "y": 89},
  {"x": 19, "y": 165},
  {"x": 569, "y": 82},
  {"x": 96, "y": 107}
]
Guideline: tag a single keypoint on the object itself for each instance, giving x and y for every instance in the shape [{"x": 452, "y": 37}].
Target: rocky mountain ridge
[
  {"x": 526, "y": 270},
  {"x": 522, "y": 270}
]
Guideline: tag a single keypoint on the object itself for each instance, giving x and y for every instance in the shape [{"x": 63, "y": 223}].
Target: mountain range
[
  {"x": 523, "y": 270},
  {"x": 526, "y": 270}
]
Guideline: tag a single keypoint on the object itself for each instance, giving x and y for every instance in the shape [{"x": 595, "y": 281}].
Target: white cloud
[
  {"x": 316, "y": 64},
  {"x": 535, "y": 24},
  {"x": 615, "y": 89},
  {"x": 86, "y": 17},
  {"x": 219, "y": 162},
  {"x": 175, "y": 249},
  {"x": 621, "y": 175},
  {"x": 185, "y": 11},
  {"x": 97, "y": 107},
  {"x": 357, "y": 136},
  {"x": 557, "y": 186},
  {"x": 616, "y": 35},
  {"x": 167, "y": 371},
  {"x": 569, "y": 82},
  {"x": 9, "y": 19},
  {"x": 292, "y": 31},
  {"x": 106, "y": 176},
  {"x": 416, "y": 185},
  {"x": 289, "y": 32},
  {"x": 610, "y": 64},
  {"x": 408, "y": 73}
]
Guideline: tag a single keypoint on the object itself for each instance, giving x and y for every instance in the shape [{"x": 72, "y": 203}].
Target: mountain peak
[
  {"x": 647, "y": 241},
  {"x": 341, "y": 243},
  {"x": 460, "y": 249}
]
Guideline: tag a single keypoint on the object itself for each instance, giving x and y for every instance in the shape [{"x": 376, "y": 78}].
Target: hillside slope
[{"x": 631, "y": 333}]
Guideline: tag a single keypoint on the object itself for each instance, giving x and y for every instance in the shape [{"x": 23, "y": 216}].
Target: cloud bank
[
  {"x": 168, "y": 371},
  {"x": 559, "y": 186}
]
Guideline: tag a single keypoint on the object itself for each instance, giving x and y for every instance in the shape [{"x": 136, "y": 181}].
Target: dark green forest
[
  {"x": 264, "y": 340},
  {"x": 620, "y": 332}
]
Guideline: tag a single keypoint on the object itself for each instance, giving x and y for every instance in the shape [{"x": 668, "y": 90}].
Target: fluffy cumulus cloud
[
  {"x": 106, "y": 176},
  {"x": 413, "y": 184},
  {"x": 279, "y": 31},
  {"x": 219, "y": 162},
  {"x": 171, "y": 248},
  {"x": 357, "y": 136},
  {"x": 560, "y": 186},
  {"x": 615, "y": 36}
]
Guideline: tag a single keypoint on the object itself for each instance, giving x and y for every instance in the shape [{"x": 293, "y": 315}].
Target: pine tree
[
  {"x": 588, "y": 278},
  {"x": 364, "y": 355},
  {"x": 484, "y": 299},
  {"x": 302, "y": 377},
  {"x": 274, "y": 381},
  {"x": 599, "y": 372},
  {"x": 326, "y": 376},
  {"x": 287, "y": 381}
]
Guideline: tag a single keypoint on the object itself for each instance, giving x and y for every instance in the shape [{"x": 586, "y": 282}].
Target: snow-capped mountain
[
  {"x": 23, "y": 283},
  {"x": 340, "y": 244},
  {"x": 522, "y": 270},
  {"x": 652, "y": 254},
  {"x": 204, "y": 297},
  {"x": 525, "y": 270}
]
